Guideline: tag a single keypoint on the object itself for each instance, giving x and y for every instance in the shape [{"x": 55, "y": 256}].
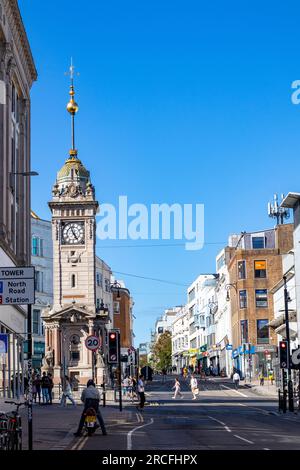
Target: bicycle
[
  {"x": 3, "y": 431},
  {"x": 14, "y": 427}
]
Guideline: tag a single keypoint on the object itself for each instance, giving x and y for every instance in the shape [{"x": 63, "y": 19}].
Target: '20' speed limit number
[{"x": 92, "y": 342}]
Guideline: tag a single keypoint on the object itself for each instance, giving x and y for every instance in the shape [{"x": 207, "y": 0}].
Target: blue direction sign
[
  {"x": 3, "y": 343},
  {"x": 229, "y": 347}
]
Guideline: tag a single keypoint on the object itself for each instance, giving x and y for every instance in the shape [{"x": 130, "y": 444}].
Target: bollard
[{"x": 279, "y": 401}]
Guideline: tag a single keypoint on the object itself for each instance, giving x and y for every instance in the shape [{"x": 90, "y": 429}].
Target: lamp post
[
  {"x": 29, "y": 333},
  {"x": 287, "y": 326},
  {"x": 233, "y": 285},
  {"x": 213, "y": 307},
  {"x": 102, "y": 316}
]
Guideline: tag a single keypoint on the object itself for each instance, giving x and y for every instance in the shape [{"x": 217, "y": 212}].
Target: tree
[{"x": 162, "y": 352}]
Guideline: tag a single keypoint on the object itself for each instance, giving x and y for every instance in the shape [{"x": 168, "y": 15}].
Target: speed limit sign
[{"x": 92, "y": 342}]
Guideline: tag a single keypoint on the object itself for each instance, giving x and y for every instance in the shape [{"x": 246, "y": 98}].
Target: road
[{"x": 220, "y": 419}]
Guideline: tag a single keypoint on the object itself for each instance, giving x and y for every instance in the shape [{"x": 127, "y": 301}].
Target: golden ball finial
[{"x": 72, "y": 107}]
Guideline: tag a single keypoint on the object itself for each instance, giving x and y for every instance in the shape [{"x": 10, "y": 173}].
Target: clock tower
[{"x": 73, "y": 315}]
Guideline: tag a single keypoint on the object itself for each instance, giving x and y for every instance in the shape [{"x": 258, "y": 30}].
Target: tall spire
[{"x": 72, "y": 108}]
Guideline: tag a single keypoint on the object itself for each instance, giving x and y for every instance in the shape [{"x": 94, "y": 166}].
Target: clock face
[{"x": 73, "y": 233}]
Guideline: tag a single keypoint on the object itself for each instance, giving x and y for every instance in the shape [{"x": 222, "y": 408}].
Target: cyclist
[{"x": 91, "y": 398}]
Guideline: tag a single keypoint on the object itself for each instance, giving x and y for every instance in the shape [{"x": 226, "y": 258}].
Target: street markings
[
  {"x": 220, "y": 422},
  {"x": 236, "y": 391},
  {"x": 243, "y": 439},
  {"x": 129, "y": 435}
]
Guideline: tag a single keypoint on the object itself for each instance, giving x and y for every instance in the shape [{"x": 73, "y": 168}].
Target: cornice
[{"x": 14, "y": 19}]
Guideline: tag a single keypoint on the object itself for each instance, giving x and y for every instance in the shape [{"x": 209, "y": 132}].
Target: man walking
[
  {"x": 45, "y": 388},
  {"x": 141, "y": 391},
  {"x": 236, "y": 380},
  {"x": 50, "y": 387}
]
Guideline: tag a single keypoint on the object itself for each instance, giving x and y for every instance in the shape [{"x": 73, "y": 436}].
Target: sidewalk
[
  {"x": 267, "y": 389},
  {"x": 53, "y": 427}
]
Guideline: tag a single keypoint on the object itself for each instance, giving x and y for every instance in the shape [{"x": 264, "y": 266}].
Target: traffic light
[
  {"x": 283, "y": 354},
  {"x": 113, "y": 347}
]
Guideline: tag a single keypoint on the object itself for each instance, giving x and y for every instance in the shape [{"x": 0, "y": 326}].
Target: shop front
[
  {"x": 265, "y": 359},
  {"x": 193, "y": 359}
]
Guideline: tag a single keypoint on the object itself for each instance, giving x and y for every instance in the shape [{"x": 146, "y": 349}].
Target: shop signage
[
  {"x": 235, "y": 353},
  {"x": 193, "y": 352},
  {"x": 265, "y": 348}
]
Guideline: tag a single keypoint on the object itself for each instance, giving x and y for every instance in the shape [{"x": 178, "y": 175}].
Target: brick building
[
  {"x": 123, "y": 320},
  {"x": 254, "y": 268}
]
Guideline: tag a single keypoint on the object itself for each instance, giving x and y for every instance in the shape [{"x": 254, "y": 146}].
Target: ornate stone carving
[
  {"x": 89, "y": 191},
  {"x": 55, "y": 190},
  {"x": 48, "y": 360},
  {"x": 74, "y": 258}
]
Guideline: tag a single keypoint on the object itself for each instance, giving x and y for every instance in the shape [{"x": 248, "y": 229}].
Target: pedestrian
[
  {"x": 134, "y": 388},
  {"x": 45, "y": 388},
  {"x": 33, "y": 389},
  {"x": 185, "y": 372},
  {"x": 194, "y": 386},
  {"x": 236, "y": 380},
  {"x": 177, "y": 389},
  {"x": 261, "y": 379},
  {"x": 37, "y": 385},
  {"x": 141, "y": 392},
  {"x": 271, "y": 377},
  {"x": 125, "y": 385},
  {"x": 50, "y": 387},
  {"x": 91, "y": 398},
  {"x": 67, "y": 392}
]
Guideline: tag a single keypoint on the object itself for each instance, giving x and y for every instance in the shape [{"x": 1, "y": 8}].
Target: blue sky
[{"x": 186, "y": 102}]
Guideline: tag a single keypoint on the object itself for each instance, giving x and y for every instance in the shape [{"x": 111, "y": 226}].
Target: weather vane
[{"x": 72, "y": 108}]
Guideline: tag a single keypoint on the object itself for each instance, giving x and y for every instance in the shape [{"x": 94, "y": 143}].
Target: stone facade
[
  {"x": 17, "y": 73},
  {"x": 74, "y": 314}
]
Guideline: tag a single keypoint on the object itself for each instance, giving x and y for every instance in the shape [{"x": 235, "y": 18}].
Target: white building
[
  {"x": 223, "y": 314},
  {"x": 180, "y": 340},
  {"x": 202, "y": 307},
  {"x": 164, "y": 323},
  {"x": 292, "y": 200},
  {"x": 104, "y": 280},
  {"x": 42, "y": 260},
  {"x": 278, "y": 323}
]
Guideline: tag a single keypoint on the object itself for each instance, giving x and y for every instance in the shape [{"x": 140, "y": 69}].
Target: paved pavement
[{"x": 221, "y": 418}]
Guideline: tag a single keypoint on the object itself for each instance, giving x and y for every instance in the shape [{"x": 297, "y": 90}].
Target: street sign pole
[
  {"x": 29, "y": 368},
  {"x": 120, "y": 377},
  {"x": 286, "y": 310}
]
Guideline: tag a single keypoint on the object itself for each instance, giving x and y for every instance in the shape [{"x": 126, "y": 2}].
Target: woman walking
[
  {"x": 67, "y": 393},
  {"x": 177, "y": 389},
  {"x": 194, "y": 386}
]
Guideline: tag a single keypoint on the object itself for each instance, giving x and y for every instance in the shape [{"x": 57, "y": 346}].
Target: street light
[
  {"x": 116, "y": 286},
  {"x": 102, "y": 311},
  {"x": 228, "y": 287}
]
